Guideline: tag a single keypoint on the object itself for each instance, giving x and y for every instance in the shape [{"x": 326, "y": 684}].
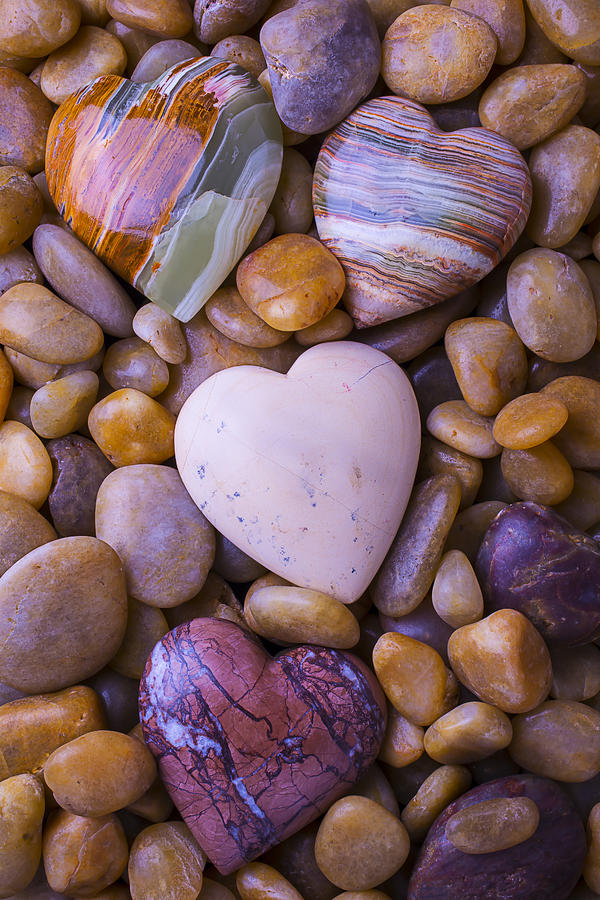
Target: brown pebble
[
  {"x": 456, "y": 424},
  {"x": 436, "y": 792},
  {"x": 559, "y": 739},
  {"x": 582, "y": 506},
  {"x": 135, "y": 41},
  {"x": 22, "y": 529},
  {"x": 579, "y": 438},
  {"x": 16, "y": 266},
  {"x": 82, "y": 856},
  {"x": 159, "y": 329},
  {"x": 293, "y": 615},
  {"x": 25, "y": 115},
  {"x": 37, "y": 27},
  {"x": 493, "y": 825},
  {"x": 591, "y": 871},
  {"x": 335, "y": 326},
  {"x": 541, "y": 474},
  {"x": 506, "y": 18},
  {"x": 161, "y": 18},
  {"x": 78, "y": 470},
  {"x": 257, "y": 881},
  {"x": 230, "y": 315},
  {"x": 21, "y": 814},
  {"x": 242, "y": 50},
  {"x": 529, "y": 420},
  {"x": 145, "y": 627},
  {"x": 576, "y": 32},
  {"x": 132, "y": 363},
  {"x": 25, "y": 467},
  {"x": 165, "y": 863},
  {"x": 292, "y": 203},
  {"x": 456, "y": 595},
  {"x": 91, "y": 53},
  {"x": 20, "y": 207},
  {"x": 63, "y": 405},
  {"x": 403, "y": 741},
  {"x": 131, "y": 428},
  {"x": 467, "y": 733},
  {"x": 575, "y": 672},
  {"x": 470, "y": 526}
]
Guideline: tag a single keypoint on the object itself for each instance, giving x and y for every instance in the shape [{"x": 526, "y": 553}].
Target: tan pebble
[
  {"x": 579, "y": 438},
  {"x": 541, "y": 474},
  {"x": 456, "y": 595},
  {"x": 506, "y": 18},
  {"x": 529, "y": 420},
  {"x": 162, "y": 18},
  {"x": 25, "y": 115},
  {"x": 591, "y": 870},
  {"x": 242, "y": 50},
  {"x": 131, "y": 428},
  {"x": 91, "y": 53},
  {"x": 493, "y": 825},
  {"x": 230, "y": 315},
  {"x": 437, "y": 791},
  {"x": 503, "y": 660},
  {"x": 291, "y": 282},
  {"x": 403, "y": 741},
  {"x": 257, "y": 881},
  {"x": 165, "y": 863},
  {"x": 21, "y": 814},
  {"x": 558, "y": 739},
  {"x": 132, "y": 363},
  {"x": 400, "y": 662},
  {"x": 456, "y": 424},
  {"x": 335, "y": 326},
  {"x": 25, "y": 467},
  {"x": 36, "y": 27},
  {"x": 293, "y": 615},
  {"x": 434, "y": 54},
  {"x": 16, "y": 266},
  {"x": 73, "y": 580},
  {"x": 469, "y": 732},
  {"x": 160, "y": 57},
  {"x": 22, "y": 529},
  {"x": 166, "y": 558},
  {"x": 292, "y": 203},
  {"x": 565, "y": 173},
  {"x": 439, "y": 459},
  {"x": 538, "y": 50},
  {"x": 527, "y": 104},
  {"x": 20, "y": 207},
  {"x": 145, "y": 627},
  {"x": 30, "y": 372},
  {"x": 31, "y": 728},
  {"x": 552, "y": 305},
  {"x": 575, "y": 672},
  {"x": 360, "y": 844},
  {"x": 99, "y": 772},
  {"x": 489, "y": 362},
  {"x": 82, "y": 856},
  {"x": 574, "y": 27},
  {"x": 63, "y": 406},
  {"x": 159, "y": 329},
  {"x": 23, "y": 64}
]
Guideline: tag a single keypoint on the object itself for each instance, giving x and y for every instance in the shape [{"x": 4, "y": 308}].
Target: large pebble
[
  {"x": 21, "y": 814},
  {"x": 83, "y": 280},
  {"x": 547, "y": 865},
  {"x": 534, "y": 561},
  {"x": 166, "y": 557},
  {"x": 493, "y": 825},
  {"x": 559, "y": 739},
  {"x": 78, "y": 468},
  {"x": 319, "y": 75},
  {"x": 506, "y": 18},
  {"x": 63, "y": 612},
  {"x": 25, "y": 467},
  {"x": 467, "y": 733},
  {"x": 37, "y": 27},
  {"x": 529, "y": 420},
  {"x": 217, "y": 19},
  {"x": 131, "y": 428},
  {"x": 541, "y": 474},
  {"x": 292, "y": 615},
  {"x": 579, "y": 438},
  {"x": 503, "y": 660},
  {"x": 456, "y": 424},
  {"x": 573, "y": 26},
  {"x": 25, "y": 115}
]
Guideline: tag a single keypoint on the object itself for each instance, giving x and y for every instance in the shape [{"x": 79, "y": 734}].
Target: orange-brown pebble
[
  {"x": 37, "y": 27},
  {"x": 529, "y": 420},
  {"x": 99, "y": 773},
  {"x": 335, "y": 326},
  {"x": 436, "y": 792},
  {"x": 21, "y": 814},
  {"x": 400, "y": 663},
  {"x": 161, "y": 18},
  {"x": 63, "y": 406},
  {"x": 456, "y": 595},
  {"x": 573, "y": 26},
  {"x": 541, "y": 474},
  {"x": 91, "y": 53},
  {"x": 558, "y": 739},
  {"x": 257, "y": 881},
  {"x": 25, "y": 467},
  {"x": 132, "y": 363},
  {"x": 455, "y": 423},
  {"x": 291, "y": 282},
  {"x": 20, "y": 207},
  {"x": 230, "y": 315},
  {"x": 529, "y": 103},
  {"x": 242, "y": 50},
  {"x": 294, "y": 615},
  {"x": 434, "y": 54},
  {"x": 579, "y": 438},
  {"x": 493, "y": 825},
  {"x": 506, "y": 18},
  {"x": 360, "y": 844},
  {"x": 165, "y": 863},
  {"x": 158, "y": 328},
  {"x": 82, "y": 855},
  {"x": 31, "y": 728},
  {"x": 132, "y": 428},
  {"x": 591, "y": 870},
  {"x": 469, "y": 732},
  {"x": 403, "y": 741},
  {"x": 25, "y": 115},
  {"x": 503, "y": 660}
]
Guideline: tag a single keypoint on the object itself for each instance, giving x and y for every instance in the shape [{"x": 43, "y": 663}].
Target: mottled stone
[
  {"x": 547, "y": 865},
  {"x": 78, "y": 470},
  {"x": 412, "y": 205},
  {"x": 534, "y": 561},
  {"x": 174, "y": 238},
  {"x": 212, "y": 762},
  {"x": 319, "y": 73}
]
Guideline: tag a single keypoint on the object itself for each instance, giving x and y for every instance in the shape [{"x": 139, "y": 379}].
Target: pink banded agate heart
[
  {"x": 414, "y": 214},
  {"x": 252, "y": 748}
]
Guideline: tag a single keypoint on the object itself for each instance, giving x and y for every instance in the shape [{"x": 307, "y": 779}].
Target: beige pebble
[
  {"x": 16, "y": 266},
  {"x": 25, "y": 467},
  {"x": 456, "y": 424},
  {"x": 36, "y": 27},
  {"x": 573, "y": 27},
  {"x": 257, "y": 881},
  {"x": 30, "y": 372},
  {"x": 436, "y": 792},
  {"x": 335, "y": 326},
  {"x": 159, "y": 329},
  {"x": 469, "y": 732},
  {"x": 506, "y": 18},
  {"x": 132, "y": 363},
  {"x": 22, "y": 529},
  {"x": 63, "y": 406},
  {"x": 91, "y": 53},
  {"x": 456, "y": 594},
  {"x": 20, "y": 207},
  {"x": 293, "y": 615},
  {"x": 229, "y": 314},
  {"x": 493, "y": 825},
  {"x": 162, "y": 18}
]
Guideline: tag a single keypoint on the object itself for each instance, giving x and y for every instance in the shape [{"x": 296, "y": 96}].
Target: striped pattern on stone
[
  {"x": 167, "y": 182},
  {"x": 415, "y": 214}
]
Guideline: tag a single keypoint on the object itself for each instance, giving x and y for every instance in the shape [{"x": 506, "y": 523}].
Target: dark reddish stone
[
  {"x": 252, "y": 748},
  {"x": 79, "y": 468},
  {"x": 544, "y": 867},
  {"x": 533, "y": 560}
]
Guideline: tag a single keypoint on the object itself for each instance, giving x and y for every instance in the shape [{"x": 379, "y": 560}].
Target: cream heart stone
[{"x": 309, "y": 473}]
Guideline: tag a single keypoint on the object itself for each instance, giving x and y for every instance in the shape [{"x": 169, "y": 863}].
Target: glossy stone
[
  {"x": 78, "y": 470},
  {"x": 506, "y": 18},
  {"x": 392, "y": 229},
  {"x": 63, "y": 405},
  {"x": 440, "y": 459},
  {"x": 456, "y": 424},
  {"x": 578, "y": 439},
  {"x": 320, "y": 498},
  {"x": 176, "y": 237},
  {"x": 158, "y": 328},
  {"x": 166, "y": 862},
  {"x": 529, "y": 420},
  {"x": 547, "y": 865},
  {"x": 163, "y": 18},
  {"x": 422, "y": 624},
  {"x": 533, "y": 560},
  {"x": 559, "y": 739},
  {"x": 229, "y": 314},
  {"x": 25, "y": 115},
  {"x": 291, "y": 615},
  {"x": 195, "y": 709},
  {"x": 216, "y": 19},
  {"x": 131, "y": 428},
  {"x": 573, "y": 25},
  {"x": 20, "y": 207},
  {"x": 132, "y": 363},
  {"x": 467, "y": 733},
  {"x": 440, "y": 788},
  {"x": 22, "y": 805},
  {"x": 25, "y": 468},
  {"x": 541, "y": 474}
]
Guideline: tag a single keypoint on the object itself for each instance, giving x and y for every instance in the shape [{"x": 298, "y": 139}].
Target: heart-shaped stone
[
  {"x": 252, "y": 748},
  {"x": 428, "y": 212},
  {"x": 309, "y": 473},
  {"x": 167, "y": 182}
]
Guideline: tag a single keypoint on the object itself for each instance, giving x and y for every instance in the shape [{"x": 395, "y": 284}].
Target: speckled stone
[
  {"x": 78, "y": 470},
  {"x": 250, "y": 748}
]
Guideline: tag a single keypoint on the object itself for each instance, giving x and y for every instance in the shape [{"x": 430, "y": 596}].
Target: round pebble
[
  {"x": 292, "y": 615},
  {"x": 62, "y": 406},
  {"x": 456, "y": 424},
  {"x": 131, "y": 428},
  {"x": 37, "y": 27},
  {"x": 162, "y": 18},
  {"x": 91, "y": 53},
  {"x": 529, "y": 421},
  {"x": 132, "y": 363},
  {"x": 165, "y": 863},
  {"x": 541, "y": 474}
]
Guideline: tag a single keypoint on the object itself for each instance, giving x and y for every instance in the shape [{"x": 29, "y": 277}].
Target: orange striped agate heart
[
  {"x": 167, "y": 182},
  {"x": 415, "y": 214}
]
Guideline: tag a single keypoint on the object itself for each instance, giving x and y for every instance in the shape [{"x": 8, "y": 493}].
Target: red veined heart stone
[
  {"x": 252, "y": 748},
  {"x": 415, "y": 214}
]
